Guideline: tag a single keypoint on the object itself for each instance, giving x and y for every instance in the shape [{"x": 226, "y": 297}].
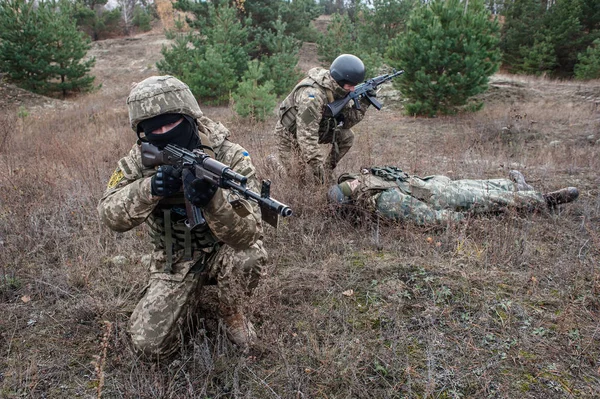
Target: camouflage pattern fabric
[
  {"x": 227, "y": 244},
  {"x": 310, "y": 128},
  {"x": 437, "y": 199},
  {"x": 175, "y": 98},
  {"x": 161, "y": 316}
]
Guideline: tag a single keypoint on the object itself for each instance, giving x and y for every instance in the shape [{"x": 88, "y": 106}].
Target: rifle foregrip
[{"x": 220, "y": 169}]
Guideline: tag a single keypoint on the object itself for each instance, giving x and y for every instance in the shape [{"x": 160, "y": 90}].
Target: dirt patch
[
  {"x": 509, "y": 89},
  {"x": 308, "y": 57},
  {"x": 321, "y": 23},
  {"x": 13, "y": 97},
  {"x": 123, "y": 61}
]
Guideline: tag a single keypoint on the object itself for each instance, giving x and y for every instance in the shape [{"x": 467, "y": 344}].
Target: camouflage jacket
[
  {"x": 433, "y": 199},
  {"x": 128, "y": 201},
  {"x": 302, "y": 112}
]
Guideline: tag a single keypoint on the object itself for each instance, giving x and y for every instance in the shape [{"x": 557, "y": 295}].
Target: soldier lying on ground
[
  {"x": 397, "y": 195},
  {"x": 227, "y": 246}
]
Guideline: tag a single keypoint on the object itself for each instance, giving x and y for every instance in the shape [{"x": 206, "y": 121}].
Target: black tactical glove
[
  {"x": 198, "y": 191},
  {"x": 166, "y": 181}
]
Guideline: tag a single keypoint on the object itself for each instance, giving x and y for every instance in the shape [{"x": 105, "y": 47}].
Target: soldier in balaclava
[
  {"x": 227, "y": 247},
  {"x": 303, "y": 123}
]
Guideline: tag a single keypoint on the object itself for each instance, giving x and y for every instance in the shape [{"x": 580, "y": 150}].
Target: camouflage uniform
[
  {"x": 302, "y": 125},
  {"x": 433, "y": 199},
  {"x": 228, "y": 247}
]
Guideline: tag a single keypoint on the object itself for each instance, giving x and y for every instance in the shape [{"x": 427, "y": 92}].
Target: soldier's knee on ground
[
  {"x": 153, "y": 343},
  {"x": 158, "y": 320}
]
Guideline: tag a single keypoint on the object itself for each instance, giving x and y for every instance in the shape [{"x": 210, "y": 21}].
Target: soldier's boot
[
  {"x": 562, "y": 196},
  {"x": 239, "y": 330},
  {"x": 519, "y": 180}
]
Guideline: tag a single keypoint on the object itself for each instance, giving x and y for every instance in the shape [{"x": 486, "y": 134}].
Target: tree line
[{"x": 245, "y": 52}]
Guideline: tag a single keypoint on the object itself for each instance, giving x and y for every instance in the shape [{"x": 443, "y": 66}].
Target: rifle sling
[{"x": 168, "y": 240}]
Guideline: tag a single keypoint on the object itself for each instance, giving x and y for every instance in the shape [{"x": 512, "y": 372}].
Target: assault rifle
[
  {"x": 218, "y": 174},
  {"x": 362, "y": 90}
]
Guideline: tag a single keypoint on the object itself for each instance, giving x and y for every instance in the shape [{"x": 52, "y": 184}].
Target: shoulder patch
[
  {"x": 115, "y": 179},
  {"x": 310, "y": 114}
]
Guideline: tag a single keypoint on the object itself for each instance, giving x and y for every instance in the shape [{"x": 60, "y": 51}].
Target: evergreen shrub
[{"x": 448, "y": 52}]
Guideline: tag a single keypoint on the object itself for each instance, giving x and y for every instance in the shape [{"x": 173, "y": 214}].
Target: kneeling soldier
[{"x": 227, "y": 248}]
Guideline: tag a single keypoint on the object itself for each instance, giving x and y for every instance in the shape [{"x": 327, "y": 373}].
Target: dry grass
[{"x": 501, "y": 307}]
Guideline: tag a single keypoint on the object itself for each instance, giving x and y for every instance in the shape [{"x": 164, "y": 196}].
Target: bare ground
[{"x": 501, "y": 307}]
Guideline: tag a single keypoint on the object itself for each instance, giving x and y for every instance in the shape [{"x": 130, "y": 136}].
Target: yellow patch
[{"x": 116, "y": 177}]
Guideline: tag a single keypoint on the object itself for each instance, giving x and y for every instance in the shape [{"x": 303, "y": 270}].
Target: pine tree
[
  {"x": 564, "y": 31},
  {"x": 382, "y": 21},
  {"x": 341, "y": 37},
  {"x": 521, "y": 27},
  {"x": 539, "y": 58},
  {"x": 254, "y": 100},
  {"x": 540, "y": 36},
  {"x": 41, "y": 49},
  {"x": 213, "y": 60},
  {"x": 280, "y": 63},
  {"x": 588, "y": 66},
  {"x": 448, "y": 53}
]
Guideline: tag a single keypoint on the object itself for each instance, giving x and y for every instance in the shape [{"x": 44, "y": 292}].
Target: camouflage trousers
[
  {"x": 161, "y": 316},
  {"x": 289, "y": 145},
  {"x": 438, "y": 198}
]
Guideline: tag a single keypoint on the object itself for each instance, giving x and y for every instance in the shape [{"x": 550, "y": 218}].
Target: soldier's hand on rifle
[
  {"x": 198, "y": 191},
  {"x": 166, "y": 181}
]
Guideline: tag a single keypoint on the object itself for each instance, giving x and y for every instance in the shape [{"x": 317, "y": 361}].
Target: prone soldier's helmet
[
  {"x": 347, "y": 69},
  {"x": 160, "y": 95}
]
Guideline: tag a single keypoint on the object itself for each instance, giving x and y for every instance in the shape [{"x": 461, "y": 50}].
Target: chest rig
[
  {"x": 288, "y": 111},
  {"x": 169, "y": 231},
  {"x": 395, "y": 175}
]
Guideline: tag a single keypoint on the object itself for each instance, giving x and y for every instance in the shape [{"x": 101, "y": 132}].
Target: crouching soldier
[
  {"x": 227, "y": 247},
  {"x": 397, "y": 195},
  {"x": 303, "y": 124}
]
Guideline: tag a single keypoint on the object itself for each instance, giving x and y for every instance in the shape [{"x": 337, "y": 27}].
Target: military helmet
[
  {"x": 160, "y": 95},
  {"x": 347, "y": 68}
]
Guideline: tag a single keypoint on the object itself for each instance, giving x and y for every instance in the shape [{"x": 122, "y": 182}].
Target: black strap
[{"x": 168, "y": 240}]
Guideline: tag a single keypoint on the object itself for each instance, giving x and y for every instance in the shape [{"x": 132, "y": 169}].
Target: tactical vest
[
  {"x": 168, "y": 230},
  {"x": 288, "y": 110}
]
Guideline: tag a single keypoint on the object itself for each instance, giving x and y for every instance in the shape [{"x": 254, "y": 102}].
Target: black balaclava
[{"x": 184, "y": 135}]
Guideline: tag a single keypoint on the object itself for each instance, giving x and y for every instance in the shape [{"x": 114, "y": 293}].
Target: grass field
[{"x": 506, "y": 306}]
